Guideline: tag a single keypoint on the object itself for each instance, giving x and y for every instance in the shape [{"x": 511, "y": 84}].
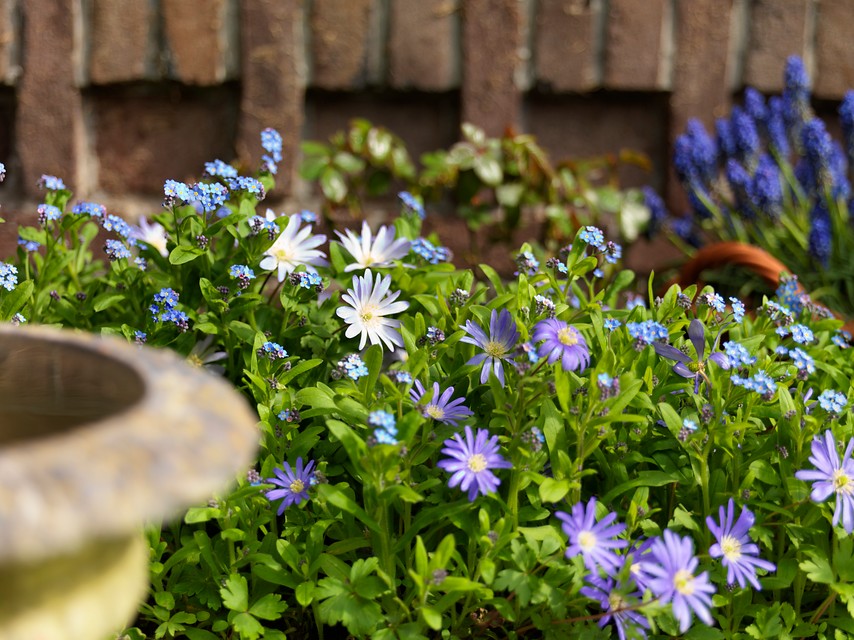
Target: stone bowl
[{"x": 97, "y": 438}]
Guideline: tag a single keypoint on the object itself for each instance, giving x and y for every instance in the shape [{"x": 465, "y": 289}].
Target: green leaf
[
  {"x": 268, "y": 607},
  {"x": 488, "y": 169},
  {"x": 302, "y": 367},
  {"x": 338, "y": 498},
  {"x": 373, "y": 360},
  {"x": 552, "y": 490},
  {"x": 305, "y": 593},
  {"x": 165, "y": 599},
  {"x": 818, "y": 568},
  {"x": 183, "y": 254},
  {"x": 15, "y": 300},
  {"x": 432, "y": 618},
  {"x": 247, "y": 626},
  {"x": 107, "y": 300},
  {"x": 333, "y": 185},
  {"x": 200, "y": 514},
  {"x": 235, "y": 594},
  {"x": 643, "y": 479}
]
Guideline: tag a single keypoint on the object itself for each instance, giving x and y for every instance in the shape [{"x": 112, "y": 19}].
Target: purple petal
[
  {"x": 721, "y": 359},
  {"x": 697, "y": 333},
  {"x": 671, "y": 353}
]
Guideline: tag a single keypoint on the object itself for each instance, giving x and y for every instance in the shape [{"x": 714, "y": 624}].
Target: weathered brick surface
[
  {"x": 339, "y": 43},
  {"x": 633, "y": 44},
  {"x": 273, "y": 80},
  {"x": 833, "y": 52},
  {"x": 423, "y": 44},
  {"x": 699, "y": 72},
  {"x": 9, "y": 43},
  {"x": 777, "y": 30},
  {"x": 144, "y": 136},
  {"x": 122, "y": 40},
  {"x": 201, "y": 40},
  {"x": 565, "y": 49},
  {"x": 491, "y": 34},
  {"x": 49, "y": 113}
]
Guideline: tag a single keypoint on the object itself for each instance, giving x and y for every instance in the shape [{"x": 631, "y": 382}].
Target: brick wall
[{"x": 117, "y": 95}]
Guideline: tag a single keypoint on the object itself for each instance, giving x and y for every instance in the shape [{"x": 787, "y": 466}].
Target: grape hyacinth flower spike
[{"x": 688, "y": 367}]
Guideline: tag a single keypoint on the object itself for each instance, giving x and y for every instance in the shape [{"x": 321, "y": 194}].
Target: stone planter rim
[{"x": 186, "y": 437}]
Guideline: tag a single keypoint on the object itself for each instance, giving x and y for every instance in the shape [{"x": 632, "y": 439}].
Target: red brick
[
  {"x": 273, "y": 81},
  {"x": 700, "y": 69},
  {"x": 122, "y": 37},
  {"x": 565, "y": 44},
  {"x": 778, "y": 29},
  {"x": 423, "y": 45},
  {"x": 9, "y": 30},
  {"x": 201, "y": 40},
  {"x": 834, "y": 62},
  {"x": 145, "y": 135},
  {"x": 633, "y": 44},
  {"x": 491, "y": 43},
  {"x": 50, "y": 130},
  {"x": 339, "y": 43}
]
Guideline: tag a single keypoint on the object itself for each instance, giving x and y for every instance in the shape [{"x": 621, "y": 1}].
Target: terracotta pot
[
  {"x": 720, "y": 254},
  {"x": 97, "y": 437}
]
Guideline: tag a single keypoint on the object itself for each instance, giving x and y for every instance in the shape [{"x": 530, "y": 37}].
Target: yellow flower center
[
  {"x": 842, "y": 482},
  {"x": 696, "y": 367},
  {"x": 436, "y": 413},
  {"x": 731, "y": 548},
  {"x": 477, "y": 463},
  {"x": 616, "y": 601},
  {"x": 684, "y": 582},
  {"x": 495, "y": 349},
  {"x": 297, "y": 486},
  {"x": 567, "y": 336},
  {"x": 587, "y": 540},
  {"x": 282, "y": 255},
  {"x": 194, "y": 360}
]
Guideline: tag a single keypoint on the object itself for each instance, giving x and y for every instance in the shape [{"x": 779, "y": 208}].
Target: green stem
[{"x": 513, "y": 497}]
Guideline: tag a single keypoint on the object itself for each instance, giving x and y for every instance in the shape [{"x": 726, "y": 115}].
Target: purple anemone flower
[
  {"x": 738, "y": 552},
  {"x": 688, "y": 367},
  {"x": 471, "y": 462},
  {"x": 671, "y": 567},
  {"x": 615, "y": 599},
  {"x": 593, "y": 540},
  {"x": 439, "y": 405},
  {"x": 562, "y": 342},
  {"x": 832, "y": 476},
  {"x": 294, "y": 484},
  {"x": 497, "y": 346}
]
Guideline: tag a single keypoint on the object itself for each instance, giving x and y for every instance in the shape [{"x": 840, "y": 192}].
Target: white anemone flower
[
  {"x": 293, "y": 248},
  {"x": 368, "y": 307},
  {"x": 153, "y": 234},
  {"x": 373, "y": 251}
]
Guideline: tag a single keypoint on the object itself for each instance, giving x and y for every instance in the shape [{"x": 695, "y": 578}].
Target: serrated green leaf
[
  {"x": 235, "y": 593},
  {"x": 268, "y": 607}
]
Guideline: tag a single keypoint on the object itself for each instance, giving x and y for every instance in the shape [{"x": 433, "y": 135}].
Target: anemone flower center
[
  {"x": 684, "y": 582},
  {"x": 587, "y": 540},
  {"x": 731, "y": 548},
  {"x": 368, "y": 314},
  {"x": 495, "y": 349},
  {"x": 477, "y": 463},
  {"x": 297, "y": 486},
  {"x": 567, "y": 336},
  {"x": 696, "y": 367},
  {"x": 283, "y": 255},
  {"x": 616, "y": 601},
  {"x": 436, "y": 412},
  {"x": 194, "y": 360},
  {"x": 842, "y": 482}
]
